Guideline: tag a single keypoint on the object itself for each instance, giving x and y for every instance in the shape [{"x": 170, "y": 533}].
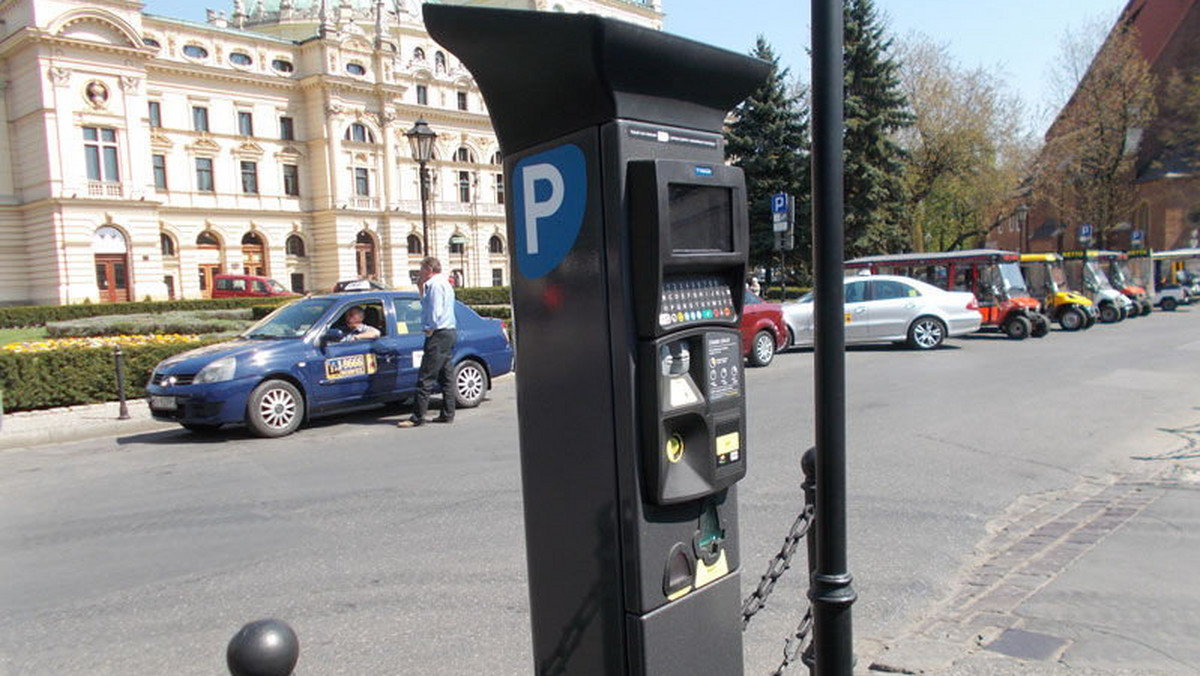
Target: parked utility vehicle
[
  {"x": 994, "y": 277},
  {"x": 1085, "y": 272},
  {"x": 1047, "y": 280}
]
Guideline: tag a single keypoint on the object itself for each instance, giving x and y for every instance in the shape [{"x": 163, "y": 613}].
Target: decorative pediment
[
  {"x": 289, "y": 152},
  {"x": 248, "y": 149},
  {"x": 204, "y": 145},
  {"x": 357, "y": 44},
  {"x": 160, "y": 141}
]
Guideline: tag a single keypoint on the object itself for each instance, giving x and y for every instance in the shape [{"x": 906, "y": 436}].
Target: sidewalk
[
  {"x": 73, "y": 423},
  {"x": 1100, "y": 579}
]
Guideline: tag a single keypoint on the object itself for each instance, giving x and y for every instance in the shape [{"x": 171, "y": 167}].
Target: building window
[
  {"x": 169, "y": 282},
  {"x": 250, "y": 177},
  {"x": 458, "y": 244},
  {"x": 297, "y": 282},
  {"x": 497, "y": 276},
  {"x": 240, "y": 59},
  {"x": 159, "y": 164},
  {"x": 282, "y": 65},
  {"x": 356, "y": 69},
  {"x": 499, "y": 188},
  {"x": 362, "y": 182},
  {"x": 497, "y": 158},
  {"x": 291, "y": 180},
  {"x": 287, "y": 129},
  {"x": 151, "y": 42},
  {"x": 464, "y": 186},
  {"x": 439, "y": 62},
  {"x": 418, "y": 54},
  {"x": 100, "y": 149},
  {"x": 207, "y": 240},
  {"x": 204, "y": 174},
  {"x": 414, "y": 244},
  {"x": 359, "y": 133},
  {"x": 155, "y": 110},
  {"x": 199, "y": 118},
  {"x": 195, "y": 52},
  {"x": 166, "y": 245},
  {"x": 295, "y": 246},
  {"x": 462, "y": 100},
  {"x": 422, "y": 95},
  {"x": 245, "y": 123},
  {"x": 414, "y": 276},
  {"x": 495, "y": 245},
  {"x": 464, "y": 154}
]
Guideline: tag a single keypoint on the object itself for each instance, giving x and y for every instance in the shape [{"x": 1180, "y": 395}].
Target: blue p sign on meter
[
  {"x": 550, "y": 195},
  {"x": 779, "y": 203}
]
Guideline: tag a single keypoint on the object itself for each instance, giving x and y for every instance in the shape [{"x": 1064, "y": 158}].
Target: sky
[{"x": 1016, "y": 39}]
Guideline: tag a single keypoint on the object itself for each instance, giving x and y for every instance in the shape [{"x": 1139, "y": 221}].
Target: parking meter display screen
[{"x": 701, "y": 218}]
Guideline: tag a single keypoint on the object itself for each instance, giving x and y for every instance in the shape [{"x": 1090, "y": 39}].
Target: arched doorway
[
  {"x": 254, "y": 255},
  {"x": 365, "y": 255},
  {"x": 111, "y": 254},
  {"x": 208, "y": 259}
]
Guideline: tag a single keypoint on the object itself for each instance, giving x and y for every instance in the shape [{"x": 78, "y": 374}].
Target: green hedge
[
  {"x": 494, "y": 311},
  {"x": 791, "y": 292},
  {"x": 210, "y": 321},
  {"x": 70, "y": 377},
  {"x": 484, "y": 295},
  {"x": 38, "y": 315}
]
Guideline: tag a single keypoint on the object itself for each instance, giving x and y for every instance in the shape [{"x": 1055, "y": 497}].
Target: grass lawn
[{"x": 21, "y": 335}]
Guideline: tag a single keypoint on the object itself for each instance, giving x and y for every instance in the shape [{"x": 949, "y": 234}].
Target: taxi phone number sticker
[{"x": 350, "y": 365}]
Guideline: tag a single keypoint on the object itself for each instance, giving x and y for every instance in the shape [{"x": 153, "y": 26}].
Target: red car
[
  {"x": 763, "y": 330},
  {"x": 247, "y": 286}
]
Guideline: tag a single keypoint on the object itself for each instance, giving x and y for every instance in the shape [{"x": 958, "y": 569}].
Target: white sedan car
[{"x": 889, "y": 308}]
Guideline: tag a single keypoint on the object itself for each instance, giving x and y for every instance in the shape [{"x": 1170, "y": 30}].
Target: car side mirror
[{"x": 332, "y": 335}]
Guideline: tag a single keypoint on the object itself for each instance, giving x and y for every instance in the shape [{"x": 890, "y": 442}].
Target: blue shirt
[{"x": 437, "y": 304}]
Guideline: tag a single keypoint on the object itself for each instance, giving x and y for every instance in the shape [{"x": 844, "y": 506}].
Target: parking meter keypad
[{"x": 693, "y": 299}]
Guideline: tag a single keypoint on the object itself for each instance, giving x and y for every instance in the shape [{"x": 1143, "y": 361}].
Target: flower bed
[{"x": 50, "y": 344}]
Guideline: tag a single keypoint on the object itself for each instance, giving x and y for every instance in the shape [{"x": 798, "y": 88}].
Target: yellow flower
[{"x": 98, "y": 341}]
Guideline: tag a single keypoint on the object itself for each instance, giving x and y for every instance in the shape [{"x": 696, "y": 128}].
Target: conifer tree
[
  {"x": 877, "y": 217},
  {"x": 769, "y": 140}
]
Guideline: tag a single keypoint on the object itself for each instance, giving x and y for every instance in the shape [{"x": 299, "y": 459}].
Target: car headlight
[{"x": 217, "y": 371}]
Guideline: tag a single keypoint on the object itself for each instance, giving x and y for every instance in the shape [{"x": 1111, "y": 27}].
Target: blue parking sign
[{"x": 779, "y": 203}]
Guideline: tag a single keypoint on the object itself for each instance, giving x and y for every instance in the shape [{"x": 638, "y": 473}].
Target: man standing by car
[{"x": 437, "y": 319}]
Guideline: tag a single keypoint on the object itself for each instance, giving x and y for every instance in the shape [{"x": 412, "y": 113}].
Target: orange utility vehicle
[{"x": 994, "y": 277}]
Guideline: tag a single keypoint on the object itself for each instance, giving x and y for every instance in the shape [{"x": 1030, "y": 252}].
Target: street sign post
[{"x": 630, "y": 240}]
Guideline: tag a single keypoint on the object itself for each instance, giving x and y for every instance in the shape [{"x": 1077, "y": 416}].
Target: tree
[
  {"x": 877, "y": 201},
  {"x": 1087, "y": 168},
  {"x": 966, "y": 149},
  {"x": 769, "y": 140}
]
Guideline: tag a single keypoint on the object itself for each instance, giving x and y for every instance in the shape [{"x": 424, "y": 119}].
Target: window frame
[
  {"x": 101, "y": 152},
  {"x": 158, "y": 165},
  {"x": 200, "y": 121},
  {"x": 287, "y": 128},
  {"x": 249, "y": 170},
  {"x": 291, "y": 180},
  {"x": 245, "y": 120},
  {"x": 205, "y": 168}
]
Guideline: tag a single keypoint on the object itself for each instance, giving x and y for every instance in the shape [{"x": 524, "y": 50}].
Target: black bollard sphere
[{"x": 263, "y": 648}]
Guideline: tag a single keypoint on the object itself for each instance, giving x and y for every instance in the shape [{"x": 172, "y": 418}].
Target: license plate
[{"x": 163, "y": 403}]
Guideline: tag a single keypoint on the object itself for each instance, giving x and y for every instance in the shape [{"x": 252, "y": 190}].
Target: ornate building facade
[{"x": 142, "y": 155}]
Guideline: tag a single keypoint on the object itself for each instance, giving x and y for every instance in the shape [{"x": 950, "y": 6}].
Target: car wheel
[
  {"x": 470, "y": 383},
  {"x": 276, "y": 409},
  {"x": 1072, "y": 319},
  {"x": 1018, "y": 328},
  {"x": 201, "y": 428},
  {"x": 1109, "y": 314},
  {"x": 762, "y": 351},
  {"x": 1168, "y": 304},
  {"x": 926, "y": 333},
  {"x": 1041, "y": 327}
]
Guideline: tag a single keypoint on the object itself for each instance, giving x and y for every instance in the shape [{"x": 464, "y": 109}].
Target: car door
[
  {"x": 410, "y": 343},
  {"x": 356, "y": 372},
  {"x": 858, "y": 311},
  {"x": 894, "y": 305}
]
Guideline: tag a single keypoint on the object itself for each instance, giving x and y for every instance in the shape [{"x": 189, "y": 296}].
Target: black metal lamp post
[
  {"x": 831, "y": 591},
  {"x": 421, "y": 138}
]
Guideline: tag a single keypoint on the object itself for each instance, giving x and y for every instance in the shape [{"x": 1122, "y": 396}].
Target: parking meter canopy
[{"x": 603, "y": 69}]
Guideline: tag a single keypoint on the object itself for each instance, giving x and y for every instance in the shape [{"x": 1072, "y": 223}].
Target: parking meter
[{"x": 629, "y": 239}]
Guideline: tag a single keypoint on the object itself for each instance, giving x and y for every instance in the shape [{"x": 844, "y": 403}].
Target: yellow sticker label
[
  {"x": 706, "y": 574},
  {"x": 849, "y": 318},
  {"x": 728, "y": 443},
  {"x": 350, "y": 365}
]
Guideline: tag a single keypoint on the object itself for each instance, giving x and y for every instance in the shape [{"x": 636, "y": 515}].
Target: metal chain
[
  {"x": 797, "y": 644},
  {"x": 780, "y": 564}
]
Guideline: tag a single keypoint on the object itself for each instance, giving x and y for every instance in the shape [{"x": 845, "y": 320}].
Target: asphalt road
[{"x": 401, "y": 551}]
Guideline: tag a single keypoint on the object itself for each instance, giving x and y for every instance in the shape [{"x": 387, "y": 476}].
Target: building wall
[{"x": 73, "y": 66}]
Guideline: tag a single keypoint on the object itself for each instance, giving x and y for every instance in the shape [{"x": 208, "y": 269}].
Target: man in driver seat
[{"x": 355, "y": 329}]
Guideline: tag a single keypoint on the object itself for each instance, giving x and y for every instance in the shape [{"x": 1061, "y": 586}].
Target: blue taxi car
[{"x": 294, "y": 365}]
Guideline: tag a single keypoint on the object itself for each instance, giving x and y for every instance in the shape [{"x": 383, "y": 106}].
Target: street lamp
[{"x": 421, "y": 138}]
